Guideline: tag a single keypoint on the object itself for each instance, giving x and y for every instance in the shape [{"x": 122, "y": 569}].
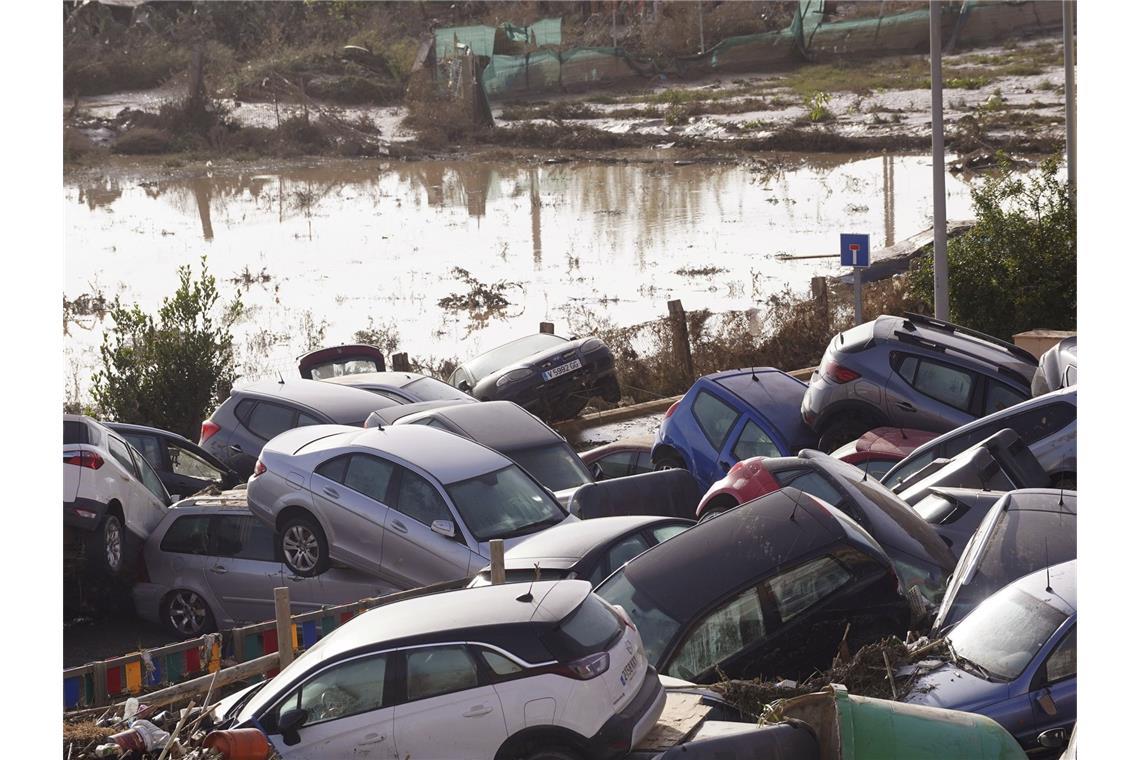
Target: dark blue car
[
  {"x": 1014, "y": 658},
  {"x": 729, "y": 416}
]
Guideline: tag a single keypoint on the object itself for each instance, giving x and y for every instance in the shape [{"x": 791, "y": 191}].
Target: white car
[
  {"x": 110, "y": 493},
  {"x": 551, "y": 673}
]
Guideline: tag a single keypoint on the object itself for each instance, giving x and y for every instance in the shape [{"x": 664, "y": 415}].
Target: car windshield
[
  {"x": 430, "y": 389},
  {"x": 503, "y": 504},
  {"x": 1005, "y": 632},
  {"x": 340, "y": 367},
  {"x": 497, "y": 358},
  {"x": 304, "y": 662},
  {"x": 555, "y": 466},
  {"x": 655, "y": 626}
]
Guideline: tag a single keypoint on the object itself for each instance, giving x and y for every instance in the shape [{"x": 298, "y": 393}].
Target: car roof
[
  {"x": 1055, "y": 585},
  {"x": 341, "y": 404},
  {"x": 577, "y": 539},
  {"x": 376, "y": 379},
  {"x": 462, "y": 609},
  {"x": 502, "y": 425},
  {"x": 775, "y": 394},
  {"x": 716, "y": 557}
]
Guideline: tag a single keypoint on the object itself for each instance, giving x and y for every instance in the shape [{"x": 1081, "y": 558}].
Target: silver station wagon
[{"x": 407, "y": 503}]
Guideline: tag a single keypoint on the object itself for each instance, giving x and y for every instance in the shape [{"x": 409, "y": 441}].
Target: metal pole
[
  {"x": 941, "y": 267},
  {"x": 857, "y": 279},
  {"x": 701, "y": 23},
  {"x": 1070, "y": 101}
]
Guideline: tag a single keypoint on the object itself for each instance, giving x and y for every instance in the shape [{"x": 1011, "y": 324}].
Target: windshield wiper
[{"x": 968, "y": 664}]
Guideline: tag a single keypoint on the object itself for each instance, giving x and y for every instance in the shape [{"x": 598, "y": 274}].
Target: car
[
  {"x": 767, "y": 589},
  {"x": 1014, "y": 658},
  {"x": 407, "y": 503},
  {"x": 211, "y": 565},
  {"x": 552, "y": 376},
  {"x": 402, "y": 387},
  {"x": 255, "y": 413},
  {"x": 920, "y": 557},
  {"x": 554, "y": 673},
  {"x": 728, "y": 416},
  {"x": 388, "y": 415},
  {"x": 516, "y": 433},
  {"x": 112, "y": 497},
  {"x": 325, "y": 363},
  {"x": 1057, "y": 368},
  {"x": 665, "y": 493},
  {"x": 589, "y": 549},
  {"x": 1023, "y": 532},
  {"x": 955, "y": 513},
  {"x": 183, "y": 466},
  {"x": 1047, "y": 424},
  {"x": 912, "y": 371},
  {"x": 878, "y": 450},
  {"x": 627, "y": 456}
]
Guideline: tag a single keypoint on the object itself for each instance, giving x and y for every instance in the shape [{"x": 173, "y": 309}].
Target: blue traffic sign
[{"x": 854, "y": 250}]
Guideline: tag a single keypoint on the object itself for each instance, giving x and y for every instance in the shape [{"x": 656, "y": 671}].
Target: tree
[
  {"x": 1016, "y": 269},
  {"x": 172, "y": 371}
]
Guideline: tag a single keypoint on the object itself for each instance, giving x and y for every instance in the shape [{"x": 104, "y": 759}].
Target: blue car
[
  {"x": 1014, "y": 658},
  {"x": 729, "y": 416}
]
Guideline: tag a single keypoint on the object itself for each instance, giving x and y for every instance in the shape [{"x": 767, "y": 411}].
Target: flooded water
[{"x": 318, "y": 252}]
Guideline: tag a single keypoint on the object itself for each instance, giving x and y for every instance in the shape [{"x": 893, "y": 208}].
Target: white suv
[
  {"x": 545, "y": 672},
  {"x": 110, "y": 492}
]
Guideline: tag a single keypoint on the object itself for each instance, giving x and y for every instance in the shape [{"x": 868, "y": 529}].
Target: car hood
[{"x": 953, "y": 688}]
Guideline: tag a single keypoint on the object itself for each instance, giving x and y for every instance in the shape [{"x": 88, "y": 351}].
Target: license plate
[
  {"x": 550, "y": 374},
  {"x": 630, "y": 669}
]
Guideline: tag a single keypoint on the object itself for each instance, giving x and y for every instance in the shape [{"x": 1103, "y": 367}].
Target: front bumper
[
  {"x": 625, "y": 729},
  {"x": 85, "y": 514}
]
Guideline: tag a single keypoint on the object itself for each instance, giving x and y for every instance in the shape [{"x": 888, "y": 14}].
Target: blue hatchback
[{"x": 729, "y": 416}]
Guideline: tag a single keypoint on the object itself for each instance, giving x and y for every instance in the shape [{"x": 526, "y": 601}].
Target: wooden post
[
  {"x": 498, "y": 570},
  {"x": 400, "y": 363},
  {"x": 546, "y": 327},
  {"x": 239, "y": 644},
  {"x": 682, "y": 352},
  {"x": 284, "y": 625},
  {"x": 819, "y": 295},
  {"x": 196, "y": 89},
  {"x": 99, "y": 676}
]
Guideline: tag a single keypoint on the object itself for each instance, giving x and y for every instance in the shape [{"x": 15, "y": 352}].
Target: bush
[
  {"x": 143, "y": 140},
  {"x": 169, "y": 372},
  {"x": 1017, "y": 268}
]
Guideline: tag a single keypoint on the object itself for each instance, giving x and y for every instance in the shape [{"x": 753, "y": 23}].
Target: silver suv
[{"x": 912, "y": 372}]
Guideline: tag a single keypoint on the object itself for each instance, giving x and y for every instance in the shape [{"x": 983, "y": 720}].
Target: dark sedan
[
  {"x": 184, "y": 467},
  {"x": 546, "y": 374}
]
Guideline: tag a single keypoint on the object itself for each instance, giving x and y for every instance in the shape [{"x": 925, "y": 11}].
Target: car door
[
  {"x": 751, "y": 438},
  {"x": 144, "y": 503},
  {"x": 414, "y": 554},
  {"x": 717, "y": 421},
  {"x": 189, "y": 472},
  {"x": 350, "y": 712},
  {"x": 1053, "y": 691},
  {"x": 185, "y": 552},
  {"x": 927, "y": 394},
  {"x": 443, "y": 699},
  {"x": 242, "y": 570},
  {"x": 351, "y": 492}
]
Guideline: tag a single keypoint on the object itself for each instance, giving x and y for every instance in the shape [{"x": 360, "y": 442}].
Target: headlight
[
  {"x": 592, "y": 345},
  {"x": 513, "y": 376}
]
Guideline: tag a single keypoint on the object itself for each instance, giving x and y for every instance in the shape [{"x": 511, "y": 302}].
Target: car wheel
[
  {"x": 304, "y": 546},
  {"x": 844, "y": 429},
  {"x": 551, "y": 753},
  {"x": 107, "y": 546},
  {"x": 186, "y": 613},
  {"x": 710, "y": 514},
  {"x": 669, "y": 462}
]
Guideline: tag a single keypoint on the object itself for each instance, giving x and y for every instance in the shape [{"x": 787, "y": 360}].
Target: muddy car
[{"x": 548, "y": 375}]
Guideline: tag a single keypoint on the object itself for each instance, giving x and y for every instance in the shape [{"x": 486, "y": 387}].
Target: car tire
[
  {"x": 185, "y": 613},
  {"x": 551, "y": 753},
  {"x": 304, "y": 546},
  {"x": 669, "y": 462},
  {"x": 711, "y": 514},
  {"x": 107, "y": 547},
  {"x": 844, "y": 429}
]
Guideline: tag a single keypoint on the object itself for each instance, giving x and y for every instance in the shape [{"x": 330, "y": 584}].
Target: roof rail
[
  {"x": 939, "y": 324},
  {"x": 905, "y": 337}
]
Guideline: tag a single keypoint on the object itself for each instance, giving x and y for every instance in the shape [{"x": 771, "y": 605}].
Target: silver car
[
  {"x": 408, "y": 503},
  {"x": 210, "y": 564}
]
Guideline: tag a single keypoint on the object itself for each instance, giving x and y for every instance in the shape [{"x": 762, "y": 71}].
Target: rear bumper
[
  {"x": 815, "y": 398},
  {"x": 85, "y": 514},
  {"x": 625, "y": 729}
]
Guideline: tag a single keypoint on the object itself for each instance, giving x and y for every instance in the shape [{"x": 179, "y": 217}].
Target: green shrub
[{"x": 1017, "y": 268}]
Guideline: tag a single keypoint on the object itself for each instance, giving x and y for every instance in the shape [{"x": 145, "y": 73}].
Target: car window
[
  {"x": 148, "y": 446},
  {"x": 333, "y": 469},
  {"x": 150, "y": 478},
  {"x": 499, "y": 665},
  {"x": 186, "y": 462},
  {"x": 269, "y": 420},
  {"x": 665, "y": 532},
  {"x": 798, "y": 589},
  {"x": 433, "y": 423},
  {"x": 1062, "y": 663},
  {"x": 369, "y": 475},
  {"x": 439, "y": 670},
  {"x": 810, "y": 481},
  {"x": 643, "y": 464},
  {"x": 419, "y": 500},
  {"x": 913, "y": 465},
  {"x": 1034, "y": 424},
  {"x": 876, "y": 468},
  {"x": 348, "y": 689},
  {"x": 726, "y": 631},
  {"x": 615, "y": 465},
  {"x": 714, "y": 417},
  {"x": 340, "y": 367},
  {"x": 626, "y": 550},
  {"x": 122, "y": 455},
  {"x": 188, "y": 535},
  {"x": 943, "y": 383},
  {"x": 555, "y": 466},
  {"x": 754, "y": 442},
  {"x": 591, "y": 627},
  {"x": 242, "y": 537},
  {"x": 503, "y": 504},
  {"x": 306, "y": 419},
  {"x": 389, "y": 395},
  {"x": 75, "y": 432},
  {"x": 1000, "y": 396},
  {"x": 430, "y": 389},
  {"x": 243, "y": 409}
]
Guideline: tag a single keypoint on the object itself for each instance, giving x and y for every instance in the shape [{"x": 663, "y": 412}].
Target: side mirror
[
  {"x": 1054, "y": 738},
  {"x": 464, "y": 386},
  {"x": 597, "y": 472},
  {"x": 444, "y": 528},
  {"x": 289, "y": 724}
]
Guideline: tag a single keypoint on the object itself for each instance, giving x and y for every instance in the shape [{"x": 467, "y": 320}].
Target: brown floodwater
[{"x": 318, "y": 251}]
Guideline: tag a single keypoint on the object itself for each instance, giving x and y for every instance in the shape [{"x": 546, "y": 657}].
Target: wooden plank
[{"x": 682, "y": 715}]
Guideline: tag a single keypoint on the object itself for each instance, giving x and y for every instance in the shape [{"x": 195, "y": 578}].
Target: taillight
[
  {"x": 672, "y": 408},
  {"x": 258, "y": 468},
  {"x": 836, "y": 372},
  {"x": 83, "y": 458},
  {"x": 209, "y": 427},
  {"x": 585, "y": 668}
]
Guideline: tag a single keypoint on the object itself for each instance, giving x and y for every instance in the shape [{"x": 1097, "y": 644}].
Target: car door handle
[
  {"x": 399, "y": 527},
  {"x": 331, "y": 492},
  {"x": 906, "y": 406},
  {"x": 476, "y": 711},
  {"x": 219, "y": 569},
  {"x": 235, "y": 447}
]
